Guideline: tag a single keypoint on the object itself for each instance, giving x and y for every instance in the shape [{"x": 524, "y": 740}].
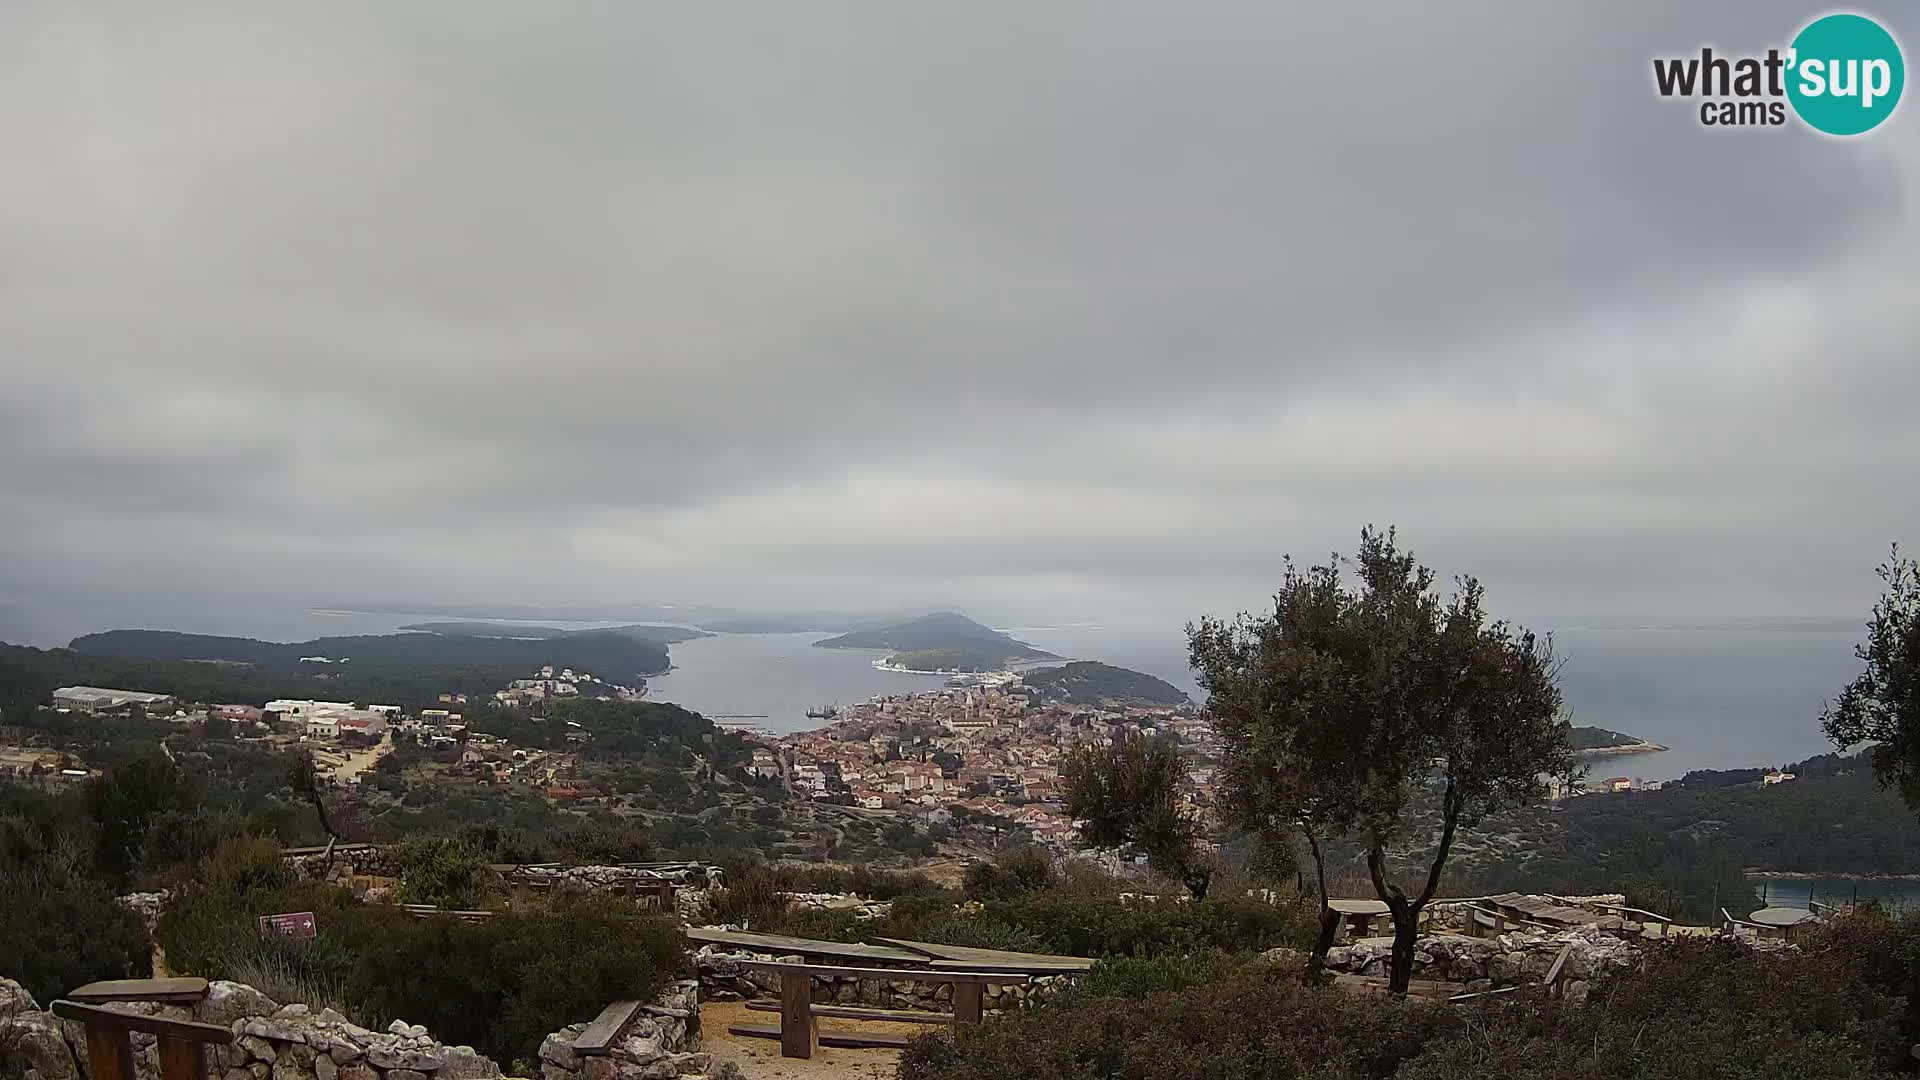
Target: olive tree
[
  {"x": 1364, "y": 700},
  {"x": 1129, "y": 793},
  {"x": 1882, "y": 704}
]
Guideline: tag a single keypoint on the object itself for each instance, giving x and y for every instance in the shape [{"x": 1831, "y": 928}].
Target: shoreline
[
  {"x": 1641, "y": 747},
  {"x": 1807, "y": 875}
]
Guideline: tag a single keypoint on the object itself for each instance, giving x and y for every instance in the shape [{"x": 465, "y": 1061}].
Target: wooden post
[
  {"x": 181, "y": 1059},
  {"x": 799, "y": 1031},
  {"x": 968, "y": 999},
  {"x": 109, "y": 1053}
]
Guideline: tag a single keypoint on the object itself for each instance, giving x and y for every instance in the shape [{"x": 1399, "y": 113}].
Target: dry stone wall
[
  {"x": 725, "y": 977},
  {"x": 294, "y": 1042},
  {"x": 659, "y": 1044},
  {"x": 1512, "y": 959},
  {"x": 271, "y": 1042}
]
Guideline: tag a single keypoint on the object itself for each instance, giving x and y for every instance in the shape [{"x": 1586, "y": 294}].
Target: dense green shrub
[
  {"x": 500, "y": 985},
  {"x": 1020, "y": 870},
  {"x": 1710, "y": 1009},
  {"x": 503, "y": 984},
  {"x": 59, "y": 927},
  {"x": 1140, "y": 976},
  {"x": 1055, "y": 921},
  {"x": 1258, "y": 1026},
  {"x": 444, "y": 871},
  {"x": 1702, "y": 1010}
]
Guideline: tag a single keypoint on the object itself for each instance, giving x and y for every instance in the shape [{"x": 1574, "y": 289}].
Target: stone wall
[
  {"x": 1512, "y": 959},
  {"x": 723, "y": 977},
  {"x": 659, "y": 1044},
  {"x": 294, "y": 1042},
  {"x": 271, "y": 1042},
  {"x": 691, "y": 881},
  {"x": 863, "y": 909}
]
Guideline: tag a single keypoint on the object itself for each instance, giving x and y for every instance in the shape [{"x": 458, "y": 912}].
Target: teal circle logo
[{"x": 1845, "y": 74}]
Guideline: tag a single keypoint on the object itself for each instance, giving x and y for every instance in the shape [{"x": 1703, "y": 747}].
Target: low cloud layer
[{"x": 1093, "y": 310}]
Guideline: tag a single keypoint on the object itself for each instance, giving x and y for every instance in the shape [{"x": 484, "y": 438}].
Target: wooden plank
[
  {"x": 182, "y": 1059},
  {"x": 827, "y": 971},
  {"x": 992, "y": 959},
  {"x": 967, "y": 1002},
  {"x": 606, "y": 1028},
  {"x": 141, "y": 990},
  {"x": 1483, "y": 994},
  {"x": 1010, "y": 969},
  {"x": 110, "y": 1020},
  {"x": 849, "y": 1012},
  {"x": 799, "y": 1030},
  {"x": 846, "y": 1040},
  {"x": 1559, "y": 963},
  {"x": 109, "y": 1051},
  {"x": 781, "y": 943}
]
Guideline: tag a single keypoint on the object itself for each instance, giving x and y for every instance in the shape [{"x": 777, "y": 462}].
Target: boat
[{"x": 824, "y": 712}]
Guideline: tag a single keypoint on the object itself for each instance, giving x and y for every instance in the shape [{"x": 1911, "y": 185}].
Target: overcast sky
[{"x": 1057, "y": 310}]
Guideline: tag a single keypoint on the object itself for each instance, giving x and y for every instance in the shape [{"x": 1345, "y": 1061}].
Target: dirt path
[
  {"x": 759, "y": 1059},
  {"x": 360, "y": 761}
]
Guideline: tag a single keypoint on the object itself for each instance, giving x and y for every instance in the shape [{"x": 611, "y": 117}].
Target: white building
[
  {"x": 303, "y": 709},
  {"x": 88, "y": 699}
]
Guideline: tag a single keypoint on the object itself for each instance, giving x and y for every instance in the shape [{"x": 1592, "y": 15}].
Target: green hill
[
  {"x": 1088, "y": 682},
  {"x": 1599, "y": 738},
  {"x": 404, "y": 668},
  {"x": 945, "y": 632}
]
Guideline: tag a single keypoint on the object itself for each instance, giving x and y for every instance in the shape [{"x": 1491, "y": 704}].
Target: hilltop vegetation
[
  {"x": 1688, "y": 846},
  {"x": 613, "y": 656},
  {"x": 1599, "y": 738},
  {"x": 1088, "y": 682},
  {"x": 403, "y": 669},
  {"x": 943, "y": 631}
]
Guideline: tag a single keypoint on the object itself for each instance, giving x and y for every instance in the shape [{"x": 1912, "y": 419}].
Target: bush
[
  {"x": 1702, "y": 1010},
  {"x": 1020, "y": 870},
  {"x": 1138, "y": 977},
  {"x": 59, "y": 927},
  {"x": 503, "y": 984},
  {"x": 1709, "y": 1009},
  {"x": 500, "y": 985},
  {"x": 444, "y": 871},
  {"x": 1261, "y": 1026}
]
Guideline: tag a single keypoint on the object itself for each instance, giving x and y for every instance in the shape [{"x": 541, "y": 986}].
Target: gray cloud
[{"x": 1088, "y": 306}]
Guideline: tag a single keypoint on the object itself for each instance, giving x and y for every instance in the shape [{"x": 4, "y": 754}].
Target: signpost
[{"x": 298, "y": 925}]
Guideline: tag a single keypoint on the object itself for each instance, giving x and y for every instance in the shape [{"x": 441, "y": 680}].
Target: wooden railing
[{"x": 182, "y": 1044}]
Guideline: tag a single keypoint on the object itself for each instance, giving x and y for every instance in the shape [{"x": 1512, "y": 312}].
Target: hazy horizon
[{"x": 1081, "y": 312}]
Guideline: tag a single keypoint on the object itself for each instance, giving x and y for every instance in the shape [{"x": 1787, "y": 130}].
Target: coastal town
[{"x": 987, "y": 747}]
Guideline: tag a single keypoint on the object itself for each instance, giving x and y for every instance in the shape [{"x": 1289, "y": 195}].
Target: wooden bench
[
  {"x": 182, "y": 1043},
  {"x": 799, "y": 1031}
]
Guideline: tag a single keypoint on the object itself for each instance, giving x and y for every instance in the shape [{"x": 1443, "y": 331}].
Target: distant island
[
  {"x": 659, "y": 635},
  {"x": 1089, "y": 682},
  {"x": 945, "y": 641},
  {"x": 1600, "y": 742},
  {"x": 613, "y": 656},
  {"x": 944, "y": 661}
]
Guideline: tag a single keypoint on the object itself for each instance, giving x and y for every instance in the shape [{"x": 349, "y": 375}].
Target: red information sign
[{"x": 298, "y": 924}]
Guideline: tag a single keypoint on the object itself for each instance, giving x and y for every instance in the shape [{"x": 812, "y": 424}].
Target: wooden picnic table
[{"x": 799, "y": 1030}]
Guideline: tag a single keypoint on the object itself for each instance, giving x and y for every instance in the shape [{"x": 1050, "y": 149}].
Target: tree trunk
[
  {"x": 1406, "y": 931},
  {"x": 1198, "y": 881},
  {"x": 1329, "y": 918},
  {"x": 1329, "y": 926}
]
